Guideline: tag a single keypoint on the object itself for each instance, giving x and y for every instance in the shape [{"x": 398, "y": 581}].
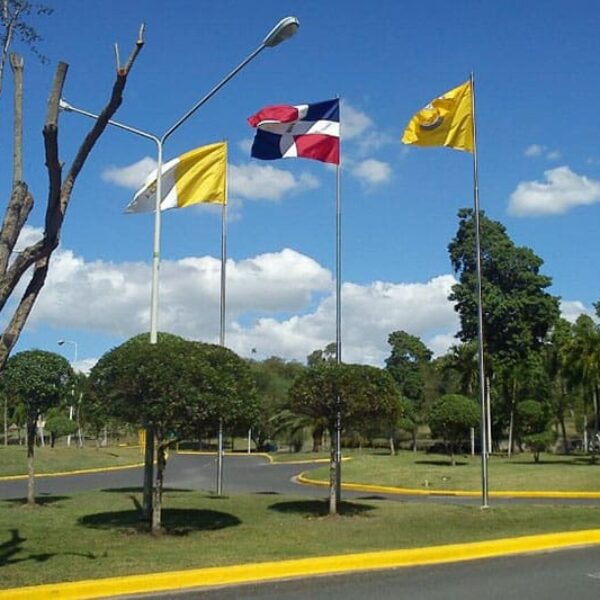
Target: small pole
[
  {"x": 220, "y": 459},
  {"x": 249, "y": 441}
]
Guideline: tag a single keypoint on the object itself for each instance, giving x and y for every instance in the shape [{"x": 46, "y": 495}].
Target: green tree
[
  {"x": 40, "y": 380},
  {"x": 58, "y": 424},
  {"x": 408, "y": 364},
  {"x": 327, "y": 355},
  {"x": 555, "y": 355},
  {"x": 451, "y": 419},
  {"x": 583, "y": 365},
  {"x": 273, "y": 378},
  {"x": 233, "y": 401},
  {"x": 518, "y": 312},
  {"x": 363, "y": 395},
  {"x": 533, "y": 426},
  {"x": 172, "y": 388}
]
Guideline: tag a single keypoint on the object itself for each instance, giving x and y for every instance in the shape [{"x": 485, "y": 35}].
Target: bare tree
[
  {"x": 33, "y": 261},
  {"x": 13, "y": 24}
]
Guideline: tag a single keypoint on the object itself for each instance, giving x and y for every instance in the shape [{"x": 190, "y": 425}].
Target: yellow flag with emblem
[
  {"x": 446, "y": 121},
  {"x": 198, "y": 176}
]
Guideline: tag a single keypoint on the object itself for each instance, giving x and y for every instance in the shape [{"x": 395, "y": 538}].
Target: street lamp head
[
  {"x": 284, "y": 30},
  {"x": 64, "y": 105}
]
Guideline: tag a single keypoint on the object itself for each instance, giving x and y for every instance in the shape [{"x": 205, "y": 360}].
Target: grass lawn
[
  {"x": 13, "y": 459},
  {"x": 98, "y": 534},
  {"x": 410, "y": 470}
]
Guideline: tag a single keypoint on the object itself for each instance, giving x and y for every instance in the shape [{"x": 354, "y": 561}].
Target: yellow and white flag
[
  {"x": 446, "y": 121},
  {"x": 194, "y": 177}
]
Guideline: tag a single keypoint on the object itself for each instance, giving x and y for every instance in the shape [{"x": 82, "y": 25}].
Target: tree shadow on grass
[
  {"x": 139, "y": 490},
  {"x": 441, "y": 463},
  {"x": 320, "y": 508},
  {"x": 41, "y": 500},
  {"x": 13, "y": 546},
  {"x": 175, "y": 521}
]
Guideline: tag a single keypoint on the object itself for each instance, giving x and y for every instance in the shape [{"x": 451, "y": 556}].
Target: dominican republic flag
[{"x": 303, "y": 131}]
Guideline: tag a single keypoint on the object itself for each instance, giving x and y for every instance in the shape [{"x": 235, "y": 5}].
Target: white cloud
[
  {"x": 265, "y": 182},
  {"x": 29, "y": 235},
  {"x": 245, "y": 145},
  {"x": 553, "y": 155},
  {"x": 131, "y": 177},
  {"x": 372, "y": 171},
  {"x": 113, "y": 298},
  {"x": 571, "y": 309},
  {"x": 280, "y": 303},
  {"x": 369, "y": 314},
  {"x": 561, "y": 191},
  {"x": 536, "y": 150},
  {"x": 354, "y": 121}
]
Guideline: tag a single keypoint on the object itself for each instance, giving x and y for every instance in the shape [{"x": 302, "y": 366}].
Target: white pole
[
  {"x": 222, "y": 331},
  {"x": 338, "y": 330},
  {"x": 483, "y": 424}
]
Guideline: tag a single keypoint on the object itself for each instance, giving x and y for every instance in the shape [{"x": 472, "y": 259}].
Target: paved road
[
  {"x": 241, "y": 474},
  {"x": 550, "y": 576}
]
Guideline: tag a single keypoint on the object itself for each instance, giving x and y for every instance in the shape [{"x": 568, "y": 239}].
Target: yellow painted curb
[
  {"x": 206, "y": 453},
  {"x": 76, "y": 472},
  {"x": 323, "y": 565},
  {"x": 385, "y": 489}
]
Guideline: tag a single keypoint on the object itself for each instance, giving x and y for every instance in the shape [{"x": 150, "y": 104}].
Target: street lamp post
[
  {"x": 71, "y": 407},
  {"x": 282, "y": 31}
]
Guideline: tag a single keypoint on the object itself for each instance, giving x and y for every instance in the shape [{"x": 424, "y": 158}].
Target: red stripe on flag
[
  {"x": 325, "y": 148},
  {"x": 280, "y": 114}
]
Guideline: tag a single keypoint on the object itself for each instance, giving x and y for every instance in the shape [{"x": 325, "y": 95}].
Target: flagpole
[
  {"x": 482, "y": 394},
  {"x": 338, "y": 323},
  {"x": 222, "y": 325}
]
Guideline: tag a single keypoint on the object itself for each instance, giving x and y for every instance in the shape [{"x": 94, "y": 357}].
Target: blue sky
[{"x": 534, "y": 64}]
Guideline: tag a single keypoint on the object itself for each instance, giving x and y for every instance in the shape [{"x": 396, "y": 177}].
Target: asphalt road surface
[
  {"x": 241, "y": 474},
  {"x": 549, "y": 576}
]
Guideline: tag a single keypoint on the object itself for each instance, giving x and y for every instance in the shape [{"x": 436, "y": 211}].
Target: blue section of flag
[
  {"x": 329, "y": 110},
  {"x": 266, "y": 145}
]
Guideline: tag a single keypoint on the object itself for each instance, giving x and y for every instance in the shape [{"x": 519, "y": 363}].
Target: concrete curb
[
  {"x": 385, "y": 489},
  {"x": 305, "y": 567},
  {"x": 76, "y": 472}
]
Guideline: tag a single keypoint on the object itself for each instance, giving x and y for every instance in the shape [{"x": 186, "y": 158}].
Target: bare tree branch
[
  {"x": 11, "y": 333},
  {"x": 59, "y": 195},
  {"x": 16, "y": 63}
]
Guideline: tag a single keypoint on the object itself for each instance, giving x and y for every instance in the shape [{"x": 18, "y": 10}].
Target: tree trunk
[
  {"x": 31, "y": 427},
  {"x": 332, "y": 475},
  {"x": 510, "y": 431},
  {"x": 392, "y": 446},
  {"x": 148, "y": 474},
  {"x": 158, "y": 489},
  {"x": 595, "y": 435},
  {"x": 414, "y": 439},
  {"x": 5, "y": 422},
  {"x": 317, "y": 437}
]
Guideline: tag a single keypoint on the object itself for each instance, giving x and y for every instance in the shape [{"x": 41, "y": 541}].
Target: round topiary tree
[
  {"x": 40, "y": 380},
  {"x": 451, "y": 418}
]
